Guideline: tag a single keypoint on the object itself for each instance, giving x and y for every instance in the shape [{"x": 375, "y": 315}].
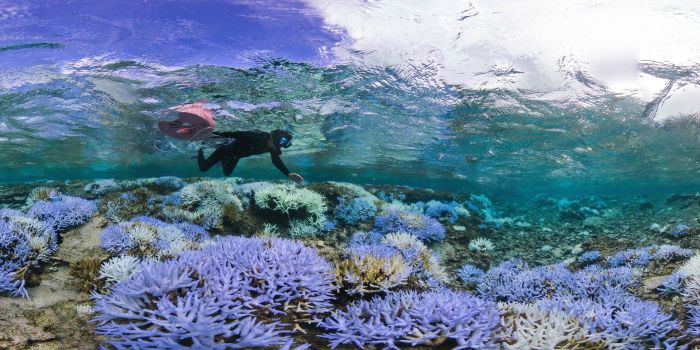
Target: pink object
[{"x": 193, "y": 123}]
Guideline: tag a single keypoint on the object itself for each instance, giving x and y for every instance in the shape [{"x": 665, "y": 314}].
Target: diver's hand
[{"x": 296, "y": 178}]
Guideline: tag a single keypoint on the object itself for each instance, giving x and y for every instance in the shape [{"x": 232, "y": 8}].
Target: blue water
[
  {"x": 83, "y": 82},
  {"x": 544, "y": 153}
]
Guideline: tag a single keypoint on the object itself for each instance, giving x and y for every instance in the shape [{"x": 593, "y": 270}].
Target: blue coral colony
[{"x": 228, "y": 264}]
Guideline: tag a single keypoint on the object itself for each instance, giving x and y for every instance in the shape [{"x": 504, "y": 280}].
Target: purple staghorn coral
[
  {"x": 147, "y": 234},
  {"x": 15, "y": 253},
  {"x": 514, "y": 281},
  {"x": 425, "y": 228},
  {"x": 210, "y": 299},
  {"x": 620, "y": 321},
  {"x": 62, "y": 212},
  {"x": 439, "y": 210},
  {"x": 353, "y": 211},
  {"x": 409, "y": 319},
  {"x": 470, "y": 274},
  {"x": 636, "y": 257},
  {"x": 589, "y": 257},
  {"x": 24, "y": 243},
  {"x": 669, "y": 252}
]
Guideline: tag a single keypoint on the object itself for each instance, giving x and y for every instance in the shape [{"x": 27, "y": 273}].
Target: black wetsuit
[{"x": 241, "y": 144}]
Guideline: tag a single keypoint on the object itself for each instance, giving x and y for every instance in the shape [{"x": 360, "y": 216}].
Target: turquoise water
[
  {"x": 518, "y": 165},
  {"x": 84, "y": 103}
]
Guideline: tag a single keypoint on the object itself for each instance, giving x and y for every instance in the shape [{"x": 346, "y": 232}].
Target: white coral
[
  {"x": 356, "y": 191},
  {"x": 204, "y": 202},
  {"x": 143, "y": 234},
  {"x": 101, "y": 187},
  {"x": 424, "y": 260},
  {"x": 38, "y": 234},
  {"x": 691, "y": 268},
  {"x": 481, "y": 245},
  {"x": 119, "y": 268},
  {"x": 526, "y": 326},
  {"x": 288, "y": 198}
]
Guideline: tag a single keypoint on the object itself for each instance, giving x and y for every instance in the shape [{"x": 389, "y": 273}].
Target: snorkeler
[
  {"x": 241, "y": 144},
  {"x": 196, "y": 123}
]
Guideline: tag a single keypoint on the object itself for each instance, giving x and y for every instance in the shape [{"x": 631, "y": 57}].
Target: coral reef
[
  {"x": 202, "y": 203},
  {"x": 352, "y": 211},
  {"x": 214, "y": 298},
  {"x": 410, "y": 319},
  {"x": 62, "y": 212},
  {"x": 145, "y": 236},
  {"x": 577, "y": 273},
  {"x": 25, "y": 243},
  {"x": 304, "y": 208},
  {"x": 102, "y": 187},
  {"x": 425, "y": 228}
]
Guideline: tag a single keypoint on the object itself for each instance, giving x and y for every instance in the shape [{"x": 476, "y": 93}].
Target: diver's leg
[
  {"x": 206, "y": 164},
  {"x": 229, "y": 165}
]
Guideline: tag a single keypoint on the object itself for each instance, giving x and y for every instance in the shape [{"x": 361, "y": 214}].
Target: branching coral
[
  {"x": 62, "y": 212},
  {"x": 25, "y": 242},
  {"x": 641, "y": 257},
  {"x": 209, "y": 299},
  {"x": 526, "y": 326},
  {"x": 292, "y": 201},
  {"x": 295, "y": 203},
  {"x": 151, "y": 237},
  {"x": 439, "y": 210},
  {"x": 41, "y": 194},
  {"x": 620, "y": 321},
  {"x": 514, "y": 281},
  {"x": 481, "y": 245},
  {"x": 202, "y": 203},
  {"x": 101, "y": 187},
  {"x": 379, "y": 263},
  {"x": 589, "y": 257},
  {"x": 353, "y": 211},
  {"x": 470, "y": 274},
  {"x": 691, "y": 297},
  {"x": 426, "y": 267},
  {"x": 15, "y": 254},
  {"x": 425, "y": 228},
  {"x": 304, "y": 228},
  {"x": 119, "y": 268},
  {"x": 410, "y": 319},
  {"x": 372, "y": 272}
]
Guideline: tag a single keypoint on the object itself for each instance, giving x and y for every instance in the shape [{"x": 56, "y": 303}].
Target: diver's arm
[{"x": 277, "y": 161}]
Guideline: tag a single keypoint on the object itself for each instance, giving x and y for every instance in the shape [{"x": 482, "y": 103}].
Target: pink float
[{"x": 193, "y": 123}]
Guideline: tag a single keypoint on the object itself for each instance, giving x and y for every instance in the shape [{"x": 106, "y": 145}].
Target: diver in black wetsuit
[{"x": 241, "y": 144}]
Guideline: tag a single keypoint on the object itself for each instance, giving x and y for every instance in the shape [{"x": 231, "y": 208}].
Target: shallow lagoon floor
[{"x": 468, "y": 271}]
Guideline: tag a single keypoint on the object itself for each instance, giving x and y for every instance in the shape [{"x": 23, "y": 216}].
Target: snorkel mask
[{"x": 284, "y": 141}]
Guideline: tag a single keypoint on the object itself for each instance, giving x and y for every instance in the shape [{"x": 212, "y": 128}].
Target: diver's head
[{"x": 281, "y": 138}]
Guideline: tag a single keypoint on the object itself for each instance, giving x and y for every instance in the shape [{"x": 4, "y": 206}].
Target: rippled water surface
[{"x": 575, "y": 96}]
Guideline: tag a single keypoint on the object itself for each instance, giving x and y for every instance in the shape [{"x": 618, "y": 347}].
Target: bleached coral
[
  {"x": 481, "y": 245},
  {"x": 270, "y": 230},
  {"x": 41, "y": 194},
  {"x": 417, "y": 254},
  {"x": 101, "y": 187},
  {"x": 296, "y": 203},
  {"x": 356, "y": 191},
  {"x": 203, "y": 203},
  {"x": 119, "y": 268},
  {"x": 146, "y": 236},
  {"x": 691, "y": 268},
  {"x": 40, "y": 236},
  {"x": 303, "y": 228},
  {"x": 366, "y": 274},
  {"x": 526, "y": 326}
]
